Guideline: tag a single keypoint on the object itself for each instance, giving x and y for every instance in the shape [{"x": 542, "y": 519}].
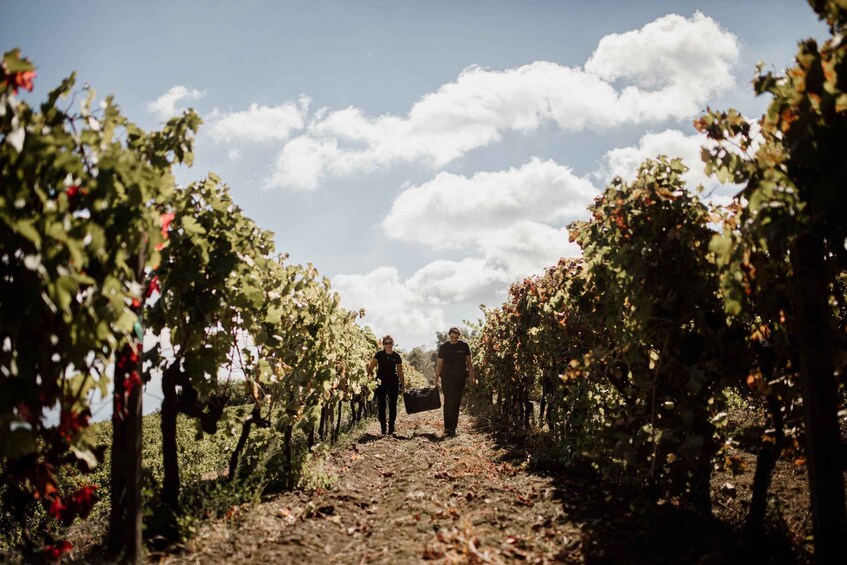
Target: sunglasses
[{"x": 387, "y": 343}]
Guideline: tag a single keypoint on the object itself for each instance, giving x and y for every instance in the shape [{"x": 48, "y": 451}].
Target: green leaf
[
  {"x": 18, "y": 443},
  {"x": 15, "y": 64},
  {"x": 721, "y": 246},
  {"x": 125, "y": 322},
  {"x": 191, "y": 226},
  {"x": 27, "y": 229},
  {"x": 64, "y": 289}
]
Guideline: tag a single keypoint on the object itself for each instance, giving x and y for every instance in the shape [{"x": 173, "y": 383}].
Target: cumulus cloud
[
  {"x": 258, "y": 122},
  {"x": 526, "y": 248},
  {"x": 391, "y": 305},
  {"x": 413, "y": 308},
  {"x": 515, "y": 252},
  {"x": 624, "y": 161},
  {"x": 666, "y": 70},
  {"x": 165, "y": 106},
  {"x": 673, "y": 65},
  {"x": 303, "y": 160},
  {"x": 471, "y": 280},
  {"x": 513, "y": 219},
  {"x": 511, "y": 223},
  {"x": 457, "y": 211}
]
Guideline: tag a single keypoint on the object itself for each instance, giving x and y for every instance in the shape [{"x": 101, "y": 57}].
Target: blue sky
[{"x": 421, "y": 154}]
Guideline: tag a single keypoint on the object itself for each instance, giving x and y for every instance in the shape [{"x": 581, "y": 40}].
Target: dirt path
[{"x": 405, "y": 499}]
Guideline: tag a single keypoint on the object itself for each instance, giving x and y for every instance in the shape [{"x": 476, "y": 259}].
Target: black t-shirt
[
  {"x": 387, "y": 366},
  {"x": 454, "y": 357}
]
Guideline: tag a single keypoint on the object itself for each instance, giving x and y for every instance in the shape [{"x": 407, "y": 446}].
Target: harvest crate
[{"x": 421, "y": 400}]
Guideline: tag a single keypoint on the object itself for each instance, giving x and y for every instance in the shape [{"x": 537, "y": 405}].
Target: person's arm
[
  {"x": 402, "y": 376},
  {"x": 438, "y": 372}
]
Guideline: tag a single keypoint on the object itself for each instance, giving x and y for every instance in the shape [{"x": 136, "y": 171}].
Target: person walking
[
  {"x": 391, "y": 379},
  {"x": 453, "y": 369}
]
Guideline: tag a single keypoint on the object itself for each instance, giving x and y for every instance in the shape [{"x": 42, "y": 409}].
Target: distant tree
[
  {"x": 468, "y": 334},
  {"x": 423, "y": 360}
]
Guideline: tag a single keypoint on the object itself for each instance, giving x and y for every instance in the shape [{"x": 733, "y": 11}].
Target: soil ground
[{"x": 420, "y": 497}]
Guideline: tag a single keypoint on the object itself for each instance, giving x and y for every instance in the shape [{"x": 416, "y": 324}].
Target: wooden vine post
[{"x": 127, "y": 404}]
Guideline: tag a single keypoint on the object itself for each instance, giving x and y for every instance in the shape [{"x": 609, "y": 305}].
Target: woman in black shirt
[{"x": 390, "y": 376}]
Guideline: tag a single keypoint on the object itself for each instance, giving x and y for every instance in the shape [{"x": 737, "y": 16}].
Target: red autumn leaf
[
  {"x": 57, "y": 508},
  {"x": 84, "y": 499},
  {"x": 153, "y": 286},
  {"x": 524, "y": 500},
  {"x": 22, "y": 79},
  {"x": 49, "y": 488},
  {"x": 120, "y": 408},
  {"x": 133, "y": 380},
  {"x": 166, "y": 223},
  {"x": 57, "y": 550},
  {"x": 71, "y": 422},
  {"x": 129, "y": 358}
]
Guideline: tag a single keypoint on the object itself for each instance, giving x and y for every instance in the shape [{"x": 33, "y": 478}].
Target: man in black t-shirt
[
  {"x": 390, "y": 375},
  {"x": 453, "y": 369}
]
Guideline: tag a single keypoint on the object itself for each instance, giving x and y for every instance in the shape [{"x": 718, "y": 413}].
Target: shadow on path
[
  {"x": 429, "y": 436},
  {"x": 368, "y": 437},
  {"x": 619, "y": 525}
]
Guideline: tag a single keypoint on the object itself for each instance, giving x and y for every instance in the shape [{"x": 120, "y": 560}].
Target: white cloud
[
  {"x": 390, "y": 304},
  {"x": 165, "y": 106},
  {"x": 456, "y": 211},
  {"x": 234, "y": 155},
  {"x": 302, "y": 162},
  {"x": 413, "y": 309},
  {"x": 672, "y": 67},
  {"x": 472, "y": 280},
  {"x": 512, "y": 222},
  {"x": 624, "y": 161},
  {"x": 517, "y": 251},
  {"x": 526, "y": 248},
  {"x": 258, "y": 122}
]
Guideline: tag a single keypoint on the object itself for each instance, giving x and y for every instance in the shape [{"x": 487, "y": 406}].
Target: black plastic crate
[{"x": 421, "y": 400}]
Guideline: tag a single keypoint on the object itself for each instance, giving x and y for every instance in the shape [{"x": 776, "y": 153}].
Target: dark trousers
[
  {"x": 453, "y": 388},
  {"x": 387, "y": 392}
]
